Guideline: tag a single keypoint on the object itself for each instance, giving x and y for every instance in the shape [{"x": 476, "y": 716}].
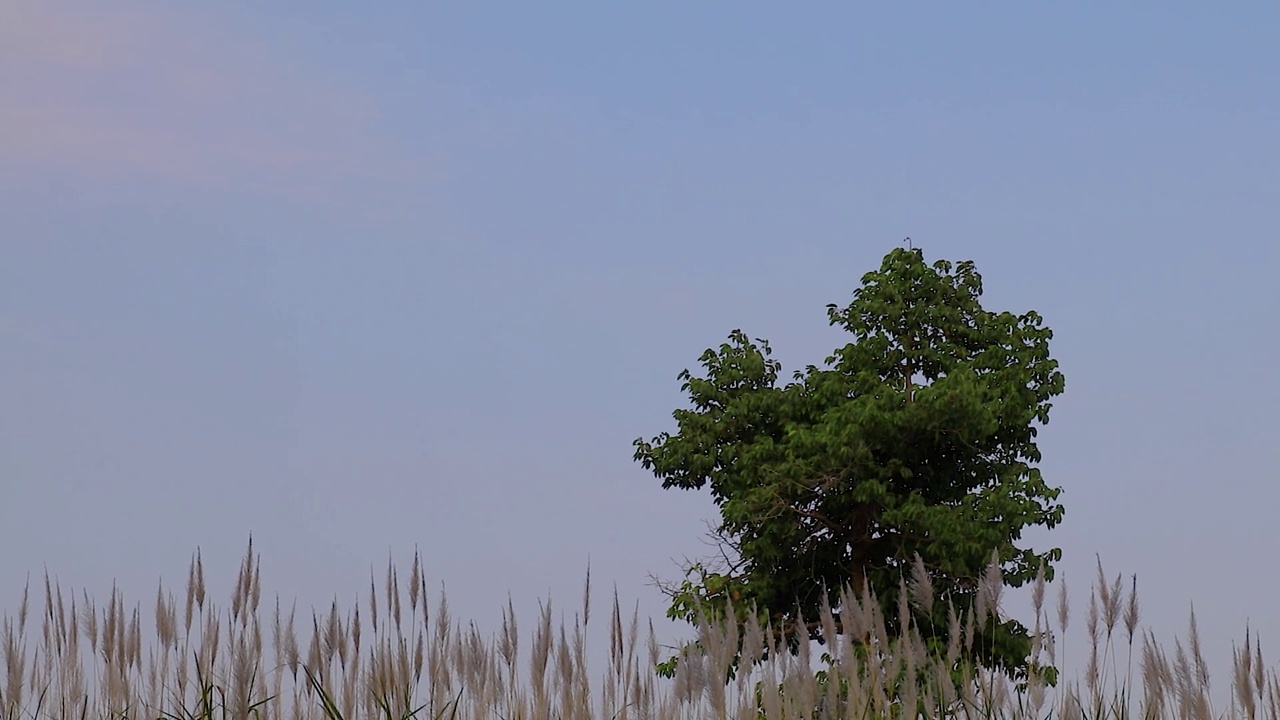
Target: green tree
[{"x": 916, "y": 437}]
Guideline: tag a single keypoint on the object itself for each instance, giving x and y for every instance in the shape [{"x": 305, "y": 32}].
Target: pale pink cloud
[{"x": 111, "y": 92}]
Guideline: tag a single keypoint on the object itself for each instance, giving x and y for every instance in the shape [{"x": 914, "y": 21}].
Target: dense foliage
[{"x": 918, "y": 436}]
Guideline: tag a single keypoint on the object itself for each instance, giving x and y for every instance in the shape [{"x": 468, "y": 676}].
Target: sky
[{"x": 357, "y": 281}]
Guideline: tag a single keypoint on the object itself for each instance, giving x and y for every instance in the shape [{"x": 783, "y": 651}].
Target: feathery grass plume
[
  {"x": 1091, "y": 620},
  {"x": 135, "y": 638},
  {"x": 51, "y": 629},
  {"x": 1110, "y": 599},
  {"x": 352, "y": 673},
  {"x": 1093, "y": 673},
  {"x": 1064, "y": 607},
  {"x": 210, "y": 641},
  {"x": 541, "y": 654},
  {"x": 292, "y": 655},
  {"x": 109, "y": 629},
  {"x": 910, "y": 678},
  {"x": 1131, "y": 610},
  {"x": 191, "y": 597},
  {"x": 1202, "y": 668},
  {"x": 68, "y": 630},
  {"x": 509, "y": 644},
  {"x": 1259, "y": 671},
  {"x": 954, "y": 633},
  {"x": 471, "y": 659},
  {"x": 990, "y": 591},
  {"x": 331, "y": 638},
  {"x": 1131, "y": 616},
  {"x": 826, "y": 619},
  {"x": 24, "y": 606},
  {"x": 1187, "y": 691},
  {"x": 165, "y": 632},
  {"x": 615, "y": 636},
  {"x": 243, "y": 678},
  {"x": 373, "y": 605},
  {"x": 255, "y": 593},
  {"x": 15, "y": 657},
  {"x": 89, "y": 622},
  {"x": 562, "y": 667},
  {"x": 1242, "y": 677},
  {"x": 426, "y": 614},
  {"x": 1037, "y": 592},
  {"x": 586, "y": 597},
  {"x": 199, "y": 581},
  {"x": 753, "y": 642},
  {"x": 854, "y": 617},
  {"x": 393, "y": 595},
  {"x": 581, "y": 681},
  {"x": 1273, "y": 697},
  {"x": 415, "y": 580},
  {"x": 921, "y": 585},
  {"x": 1036, "y": 694},
  {"x": 277, "y": 648},
  {"x": 632, "y": 694},
  {"x": 1156, "y": 677},
  {"x": 1104, "y": 595},
  {"x": 419, "y": 655},
  {"x": 356, "y": 630},
  {"x": 240, "y": 593},
  {"x": 390, "y": 591}
]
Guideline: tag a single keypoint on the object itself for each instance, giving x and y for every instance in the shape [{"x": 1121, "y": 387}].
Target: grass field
[{"x": 393, "y": 657}]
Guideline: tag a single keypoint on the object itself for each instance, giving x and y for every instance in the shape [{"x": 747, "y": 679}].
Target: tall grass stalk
[{"x": 396, "y": 657}]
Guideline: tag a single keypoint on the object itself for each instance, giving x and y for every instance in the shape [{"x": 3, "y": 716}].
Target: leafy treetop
[{"x": 915, "y": 437}]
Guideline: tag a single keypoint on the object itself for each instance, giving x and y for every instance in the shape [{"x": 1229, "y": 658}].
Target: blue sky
[{"x": 355, "y": 281}]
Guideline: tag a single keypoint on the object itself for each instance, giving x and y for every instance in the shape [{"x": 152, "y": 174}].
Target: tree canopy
[{"x": 917, "y": 437}]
